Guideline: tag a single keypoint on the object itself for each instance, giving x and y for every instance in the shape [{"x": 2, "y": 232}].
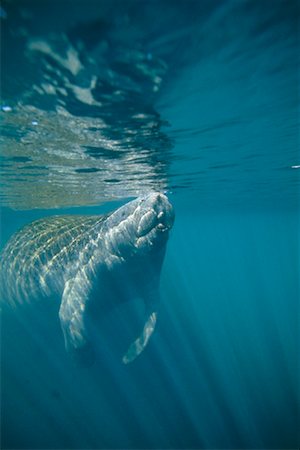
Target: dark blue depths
[{"x": 220, "y": 371}]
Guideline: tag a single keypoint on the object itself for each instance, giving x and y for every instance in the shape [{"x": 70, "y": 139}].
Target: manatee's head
[{"x": 140, "y": 226}]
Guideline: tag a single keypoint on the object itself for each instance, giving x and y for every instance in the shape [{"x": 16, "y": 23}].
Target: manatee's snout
[
  {"x": 164, "y": 211},
  {"x": 156, "y": 213}
]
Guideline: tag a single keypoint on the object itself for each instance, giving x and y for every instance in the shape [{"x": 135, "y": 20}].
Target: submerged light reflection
[{"x": 86, "y": 130}]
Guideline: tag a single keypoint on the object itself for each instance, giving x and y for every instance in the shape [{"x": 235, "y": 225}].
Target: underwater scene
[{"x": 150, "y": 224}]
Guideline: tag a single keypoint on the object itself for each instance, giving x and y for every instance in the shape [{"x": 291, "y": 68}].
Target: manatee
[{"x": 86, "y": 265}]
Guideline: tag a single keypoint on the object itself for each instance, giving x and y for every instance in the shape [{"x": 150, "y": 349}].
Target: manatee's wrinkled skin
[{"x": 88, "y": 264}]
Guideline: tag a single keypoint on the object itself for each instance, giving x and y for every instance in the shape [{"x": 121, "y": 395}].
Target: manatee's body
[
  {"x": 38, "y": 260},
  {"x": 88, "y": 264}
]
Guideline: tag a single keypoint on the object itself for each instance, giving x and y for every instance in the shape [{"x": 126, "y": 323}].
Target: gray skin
[{"x": 90, "y": 264}]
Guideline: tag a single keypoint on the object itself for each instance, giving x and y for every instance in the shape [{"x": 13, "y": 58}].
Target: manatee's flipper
[
  {"x": 71, "y": 315},
  {"x": 140, "y": 343}
]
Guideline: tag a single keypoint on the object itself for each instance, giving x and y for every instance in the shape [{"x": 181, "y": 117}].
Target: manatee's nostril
[{"x": 158, "y": 198}]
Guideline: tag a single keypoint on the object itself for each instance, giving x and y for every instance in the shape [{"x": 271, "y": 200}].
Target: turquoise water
[{"x": 103, "y": 101}]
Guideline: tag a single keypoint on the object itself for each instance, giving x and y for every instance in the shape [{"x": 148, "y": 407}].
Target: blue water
[{"x": 102, "y": 101}]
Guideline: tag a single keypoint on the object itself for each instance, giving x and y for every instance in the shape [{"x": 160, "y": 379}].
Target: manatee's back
[{"x": 34, "y": 262}]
